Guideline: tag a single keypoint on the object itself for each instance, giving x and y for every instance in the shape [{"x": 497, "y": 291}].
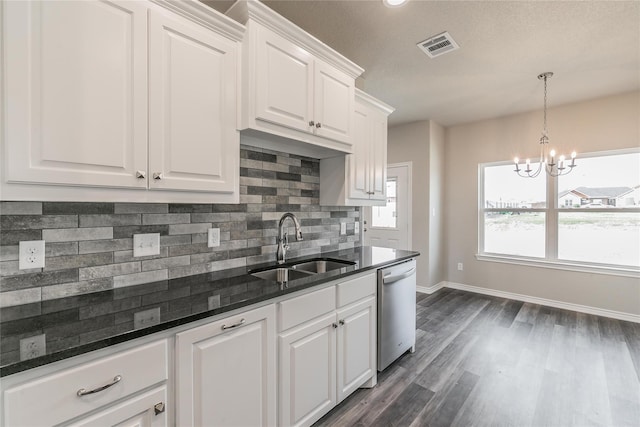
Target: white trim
[
  {"x": 245, "y": 10},
  {"x": 608, "y": 269},
  {"x": 205, "y": 16},
  {"x": 431, "y": 289},
  {"x": 546, "y": 302},
  {"x": 409, "y": 166}
]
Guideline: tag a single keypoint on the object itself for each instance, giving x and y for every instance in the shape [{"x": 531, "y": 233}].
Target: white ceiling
[{"x": 593, "y": 47}]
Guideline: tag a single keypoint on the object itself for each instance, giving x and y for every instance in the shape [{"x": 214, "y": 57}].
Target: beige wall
[
  {"x": 410, "y": 143},
  {"x": 436, "y": 203},
  {"x": 597, "y": 125},
  {"x": 422, "y": 143}
]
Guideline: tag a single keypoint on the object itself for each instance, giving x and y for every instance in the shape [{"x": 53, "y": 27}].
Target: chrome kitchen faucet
[{"x": 283, "y": 241}]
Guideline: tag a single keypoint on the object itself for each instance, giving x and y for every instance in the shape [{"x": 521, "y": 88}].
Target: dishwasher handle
[{"x": 389, "y": 279}]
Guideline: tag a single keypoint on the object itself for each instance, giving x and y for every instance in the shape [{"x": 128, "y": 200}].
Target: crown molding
[
  {"x": 205, "y": 16},
  {"x": 244, "y": 11},
  {"x": 364, "y": 96}
]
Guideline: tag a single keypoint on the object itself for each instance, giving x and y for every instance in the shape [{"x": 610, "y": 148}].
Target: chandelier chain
[{"x": 545, "y": 104}]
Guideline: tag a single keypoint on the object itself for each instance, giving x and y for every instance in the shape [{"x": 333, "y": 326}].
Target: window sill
[{"x": 612, "y": 270}]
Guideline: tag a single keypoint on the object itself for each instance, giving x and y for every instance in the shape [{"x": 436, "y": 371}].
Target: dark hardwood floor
[{"x": 486, "y": 361}]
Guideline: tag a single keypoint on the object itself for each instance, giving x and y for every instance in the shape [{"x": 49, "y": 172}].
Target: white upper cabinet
[
  {"x": 359, "y": 179},
  {"x": 76, "y": 92},
  {"x": 193, "y": 141},
  {"x": 108, "y": 98},
  {"x": 284, "y": 85},
  {"x": 295, "y": 87}
]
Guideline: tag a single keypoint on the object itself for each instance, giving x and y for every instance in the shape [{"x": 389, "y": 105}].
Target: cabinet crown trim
[
  {"x": 245, "y": 10},
  {"x": 363, "y": 96},
  {"x": 199, "y": 12}
]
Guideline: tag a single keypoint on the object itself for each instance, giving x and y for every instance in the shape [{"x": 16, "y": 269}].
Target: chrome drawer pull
[
  {"x": 235, "y": 325},
  {"x": 84, "y": 392}
]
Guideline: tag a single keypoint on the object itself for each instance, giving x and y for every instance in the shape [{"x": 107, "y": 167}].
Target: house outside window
[{"x": 589, "y": 218}]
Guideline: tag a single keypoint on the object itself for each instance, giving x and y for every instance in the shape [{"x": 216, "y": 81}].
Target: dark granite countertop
[{"x": 83, "y": 323}]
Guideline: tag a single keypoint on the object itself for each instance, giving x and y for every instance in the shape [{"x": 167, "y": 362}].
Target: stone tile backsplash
[{"x": 89, "y": 246}]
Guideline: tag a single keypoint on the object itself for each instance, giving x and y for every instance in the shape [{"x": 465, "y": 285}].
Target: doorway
[{"x": 390, "y": 226}]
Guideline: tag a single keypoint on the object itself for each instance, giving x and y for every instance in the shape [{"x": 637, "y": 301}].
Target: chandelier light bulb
[
  {"x": 552, "y": 153},
  {"x": 573, "y": 154}
]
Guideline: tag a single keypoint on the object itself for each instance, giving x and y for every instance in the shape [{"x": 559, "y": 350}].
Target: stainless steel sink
[
  {"x": 281, "y": 274},
  {"x": 321, "y": 265},
  {"x": 301, "y": 269}
]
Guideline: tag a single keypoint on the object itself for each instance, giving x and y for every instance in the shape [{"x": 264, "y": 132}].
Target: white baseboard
[
  {"x": 430, "y": 289},
  {"x": 535, "y": 300}
]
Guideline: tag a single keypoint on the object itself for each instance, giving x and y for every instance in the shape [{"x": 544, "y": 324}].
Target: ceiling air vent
[{"x": 438, "y": 45}]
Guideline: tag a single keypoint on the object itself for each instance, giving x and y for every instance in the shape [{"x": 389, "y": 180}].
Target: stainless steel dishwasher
[{"x": 396, "y": 311}]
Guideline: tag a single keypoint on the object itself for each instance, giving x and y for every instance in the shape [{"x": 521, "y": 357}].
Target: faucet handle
[{"x": 285, "y": 240}]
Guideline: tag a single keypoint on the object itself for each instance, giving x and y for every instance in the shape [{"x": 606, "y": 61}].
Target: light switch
[{"x": 343, "y": 228}]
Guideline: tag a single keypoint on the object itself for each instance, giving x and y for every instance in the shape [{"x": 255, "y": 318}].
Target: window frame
[{"x": 552, "y": 212}]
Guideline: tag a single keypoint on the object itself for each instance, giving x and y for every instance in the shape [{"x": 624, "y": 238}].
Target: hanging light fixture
[{"x": 553, "y": 166}]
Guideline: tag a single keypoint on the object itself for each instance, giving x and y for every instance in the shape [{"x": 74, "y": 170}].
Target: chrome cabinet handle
[
  {"x": 141, "y": 174},
  {"x": 235, "y": 325},
  {"x": 318, "y": 125},
  {"x": 312, "y": 123},
  {"x": 84, "y": 392},
  {"x": 341, "y": 322},
  {"x": 157, "y": 175}
]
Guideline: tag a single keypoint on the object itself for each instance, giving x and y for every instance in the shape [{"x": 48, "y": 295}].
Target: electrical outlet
[
  {"x": 144, "y": 319},
  {"x": 31, "y": 254},
  {"x": 343, "y": 228},
  {"x": 33, "y": 347},
  {"x": 460, "y": 266},
  {"x": 146, "y": 244},
  {"x": 213, "y": 239},
  {"x": 356, "y": 227}
]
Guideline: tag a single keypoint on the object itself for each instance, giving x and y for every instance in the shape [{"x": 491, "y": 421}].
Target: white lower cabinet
[
  {"x": 59, "y": 396},
  {"x": 241, "y": 370},
  {"x": 326, "y": 357},
  {"x": 226, "y": 371},
  {"x": 307, "y": 375},
  {"x": 146, "y": 410},
  {"x": 356, "y": 347}
]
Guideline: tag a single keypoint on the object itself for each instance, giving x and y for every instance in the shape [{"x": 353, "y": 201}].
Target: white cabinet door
[
  {"x": 226, "y": 371},
  {"x": 284, "y": 87},
  {"x": 146, "y": 410},
  {"x": 76, "y": 85},
  {"x": 356, "y": 348},
  {"x": 378, "y": 157},
  {"x": 333, "y": 103},
  {"x": 358, "y": 175},
  {"x": 193, "y": 140},
  {"x": 307, "y": 374}
]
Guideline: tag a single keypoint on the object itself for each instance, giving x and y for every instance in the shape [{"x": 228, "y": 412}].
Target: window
[
  {"x": 590, "y": 217},
  {"x": 386, "y": 216}
]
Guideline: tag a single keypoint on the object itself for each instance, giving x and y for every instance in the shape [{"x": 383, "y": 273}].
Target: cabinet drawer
[
  {"x": 306, "y": 307},
  {"x": 56, "y": 395},
  {"x": 356, "y": 289}
]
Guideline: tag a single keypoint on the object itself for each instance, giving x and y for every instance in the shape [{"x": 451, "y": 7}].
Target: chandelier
[{"x": 553, "y": 166}]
